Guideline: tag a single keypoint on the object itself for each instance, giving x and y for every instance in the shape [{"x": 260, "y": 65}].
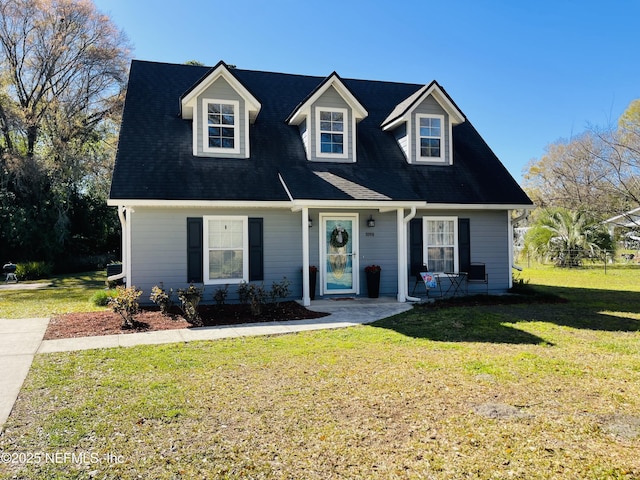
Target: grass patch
[
  {"x": 64, "y": 294},
  {"x": 535, "y": 391}
]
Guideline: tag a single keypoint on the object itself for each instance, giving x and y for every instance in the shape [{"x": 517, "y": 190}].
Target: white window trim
[
  {"x": 205, "y": 127},
  {"x": 206, "y": 248},
  {"x": 419, "y": 157},
  {"x": 425, "y": 245},
  {"x": 347, "y": 129}
]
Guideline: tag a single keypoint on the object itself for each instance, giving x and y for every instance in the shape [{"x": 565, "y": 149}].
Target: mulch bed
[{"x": 72, "y": 325}]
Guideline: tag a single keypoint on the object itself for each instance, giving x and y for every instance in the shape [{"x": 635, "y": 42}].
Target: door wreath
[{"x": 339, "y": 237}]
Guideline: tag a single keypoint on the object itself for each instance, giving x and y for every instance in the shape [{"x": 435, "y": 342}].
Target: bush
[
  {"x": 252, "y": 294},
  {"x": 220, "y": 295},
  {"x": 102, "y": 297},
  {"x": 279, "y": 290},
  {"x": 256, "y": 295},
  {"x": 33, "y": 270},
  {"x": 521, "y": 286},
  {"x": 125, "y": 303},
  {"x": 160, "y": 297},
  {"x": 189, "y": 300}
]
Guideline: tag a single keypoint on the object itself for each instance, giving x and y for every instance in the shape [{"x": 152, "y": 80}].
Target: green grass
[
  {"x": 65, "y": 294},
  {"x": 529, "y": 391},
  {"x": 613, "y": 277}
]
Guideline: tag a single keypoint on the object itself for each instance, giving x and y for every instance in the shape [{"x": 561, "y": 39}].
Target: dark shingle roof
[{"x": 155, "y": 158}]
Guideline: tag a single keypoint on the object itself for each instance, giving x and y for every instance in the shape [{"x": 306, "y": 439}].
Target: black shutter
[
  {"x": 194, "y": 250},
  {"x": 256, "y": 249},
  {"x": 464, "y": 244},
  {"x": 415, "y": 246}
]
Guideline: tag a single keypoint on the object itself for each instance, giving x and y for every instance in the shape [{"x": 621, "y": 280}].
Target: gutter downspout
[
  {"x": 123, "y": 225},
  {"x": 520, "y": 217},
  {"x": 403, "y": 248}
]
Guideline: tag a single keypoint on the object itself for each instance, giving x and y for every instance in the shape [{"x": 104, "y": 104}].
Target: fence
[{"x": 582, "y": 258}]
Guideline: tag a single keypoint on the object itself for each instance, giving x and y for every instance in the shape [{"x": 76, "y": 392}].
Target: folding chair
[
  {"x": 431, "y": 281},
  {"x": 478, "y": 275}
]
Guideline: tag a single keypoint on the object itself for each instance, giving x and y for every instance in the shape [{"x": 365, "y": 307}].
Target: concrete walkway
[
  {"x": 21, "y": 339},
  {"x": 19, "y": 342}
]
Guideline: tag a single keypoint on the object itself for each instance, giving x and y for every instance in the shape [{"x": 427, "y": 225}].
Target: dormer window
[
  {"x": 327, "y": 119},
  {"x": 331, "y": 132},
  {"x": 221, "y": 109},
  {"x": 221, "y": 126},
  {"x": 422, "y": 124},
  {"x": 430, "y": 138}
]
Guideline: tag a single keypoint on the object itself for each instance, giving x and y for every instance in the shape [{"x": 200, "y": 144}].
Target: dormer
[
  {"x": 422, "y": 125},
  {"x": 327, "y": 120},
  {"x": 221, "y": 109}
]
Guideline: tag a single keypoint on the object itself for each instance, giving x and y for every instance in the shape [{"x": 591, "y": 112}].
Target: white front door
[{"x": 338, "y": 253}]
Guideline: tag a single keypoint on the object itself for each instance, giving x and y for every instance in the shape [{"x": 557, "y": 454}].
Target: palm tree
[{"x": 567, "y": 237}]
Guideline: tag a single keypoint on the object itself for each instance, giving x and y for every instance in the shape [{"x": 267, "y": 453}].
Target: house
[
  {"x": 629, "y": 223},
  {"x": 225, "y": 175}
]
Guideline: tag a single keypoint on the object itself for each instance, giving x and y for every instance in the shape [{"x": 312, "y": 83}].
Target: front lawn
[
  {"x": 534, "y": 390},
  {"x": 62, "y": 294}
]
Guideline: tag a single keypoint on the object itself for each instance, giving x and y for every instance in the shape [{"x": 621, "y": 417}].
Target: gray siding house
[{"x": 225, "y": 175}]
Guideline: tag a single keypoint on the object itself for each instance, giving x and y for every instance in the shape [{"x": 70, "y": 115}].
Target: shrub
[
  {"x": 189, "y": 300},
  {"x": 256, "y": 295},
  {"x": 244, "y": 294},
  {"x": 125, "y": 303},
  {"x": 521, "y": 286},
  {"x": 279, "y": 290},
  {"x": 220, "y": 295},
  {"x": 102, "y": 297},
  {"x": 253, "y": 295},
  {"x": 160, "y": 297},
  {"x": 33, "y": 270}
]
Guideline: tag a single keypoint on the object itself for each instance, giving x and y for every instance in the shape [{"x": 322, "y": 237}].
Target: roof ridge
[{"x": 271, "y": 72}]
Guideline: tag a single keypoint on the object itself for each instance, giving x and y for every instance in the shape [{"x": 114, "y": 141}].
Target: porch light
[
  {"x": 371, "y": 222},
  {"x": 310, "y": 223}
]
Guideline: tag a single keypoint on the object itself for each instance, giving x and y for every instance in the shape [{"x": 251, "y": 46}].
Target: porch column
[
  {"x": 510, "y": 233},
  {"x": 126, "y": 267},
  {"x": 402, "y": 255},
  {"x": 306, "y": 298}
]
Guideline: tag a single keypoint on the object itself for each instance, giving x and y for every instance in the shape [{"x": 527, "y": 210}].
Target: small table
[{"x": 457, "y": 283}]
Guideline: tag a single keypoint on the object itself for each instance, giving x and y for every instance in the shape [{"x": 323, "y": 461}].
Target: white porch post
[
  {"x": 124, "y": 238},
  {"x": 510, "y": 233},
  {"x": 402, "y": 255},
  {"x": 126, "y": 267},
  {"x": 306, "y": 298}
]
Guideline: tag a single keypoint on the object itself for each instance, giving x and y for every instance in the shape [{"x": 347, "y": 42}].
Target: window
[
  {"x": 430, "y": 137},
  {"x": 441, "y": 243},
  {"x": 226, "y": 249},
  {"x": 221, "y": 126},
  {"x": 332, "y": 132}
]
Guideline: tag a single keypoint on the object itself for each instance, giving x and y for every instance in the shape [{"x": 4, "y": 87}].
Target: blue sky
[{"x": 526, "y": 74}]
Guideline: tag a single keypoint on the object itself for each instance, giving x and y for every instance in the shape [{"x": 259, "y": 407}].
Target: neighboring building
[
  {"x": 225, "y": 175},
  {"x": 628, "y": 224}
]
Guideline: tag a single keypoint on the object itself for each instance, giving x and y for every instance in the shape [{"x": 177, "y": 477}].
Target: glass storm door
[{"x": 339, "y": 257}]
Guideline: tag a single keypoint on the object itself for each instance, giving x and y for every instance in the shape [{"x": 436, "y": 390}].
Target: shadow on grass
[
  {"x": 492, "y": 319},
  {"x": 84, "y": 280}
]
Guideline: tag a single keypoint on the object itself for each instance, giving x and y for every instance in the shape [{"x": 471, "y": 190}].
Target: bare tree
[
  {"x": 598, "y": 170},
  {"x": 63, "y": 68},
  {"x": 60, "y": 57},
  {"x": 620, "y": 153},
  {"x": 567, "y": 176}
]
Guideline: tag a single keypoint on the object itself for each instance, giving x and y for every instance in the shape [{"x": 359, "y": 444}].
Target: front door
[{"x": 338, "y": 251}]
